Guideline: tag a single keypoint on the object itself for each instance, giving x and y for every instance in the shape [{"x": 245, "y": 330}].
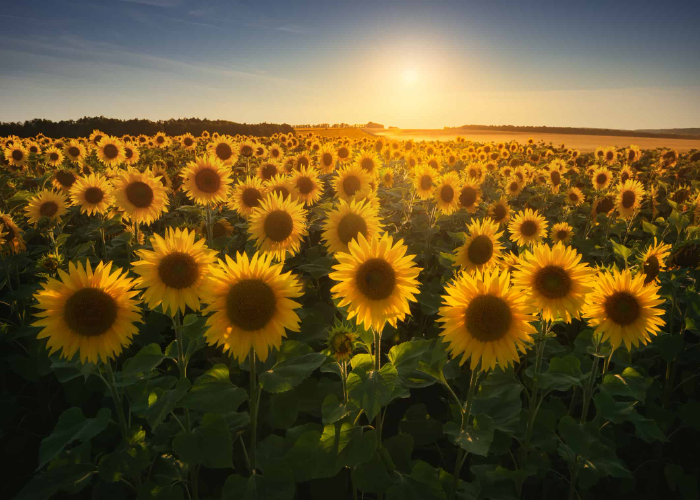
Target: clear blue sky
[{"x": 619, "y": 64}]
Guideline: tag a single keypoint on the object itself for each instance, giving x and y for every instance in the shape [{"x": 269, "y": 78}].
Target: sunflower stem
[
  {"x": 182, "y": 367},
  {"x": 533, "y": 406},
  {"x": 112, "y": 386},
  {"x": 377, "y": 366},
  {"x": 466, "y": 414},
  {"x": 210, "y": 226},
  {"x": 253, "y": 406}
]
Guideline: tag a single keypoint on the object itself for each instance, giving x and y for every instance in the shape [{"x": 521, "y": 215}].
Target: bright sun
[{"x": 410, "y": 76}]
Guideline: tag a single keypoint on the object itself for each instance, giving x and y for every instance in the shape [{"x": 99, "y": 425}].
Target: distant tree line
[
  {"x": 575, "y": 130},
  {"x": 112, "y": 126}
]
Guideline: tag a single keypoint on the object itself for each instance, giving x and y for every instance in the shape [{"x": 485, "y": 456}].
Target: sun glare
[{"x": 410, "y": 76}]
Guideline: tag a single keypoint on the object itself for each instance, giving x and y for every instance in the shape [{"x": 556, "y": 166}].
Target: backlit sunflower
[
  {"x": 626, "y": 174},
  {"x": 327, "y": 158},
  {"x": 302, "y": 160},
  {"x": 47, "y": 203},
  {"x": 632, "y": 154},
  {"x": 188, "y": 142},
  {"x": 275, "y": 152},
  {"x": 610, "y": 155},
  {"x": 141, "y": 196},
  {"x": 306, "y": 186},
  {"x": 279, "y": 185},
  {"x": 376, "y": 280},
  {"x": 527, "y": 227},
  {"x": 601, "y": 178},
  {"x": 486, "y": 319},
  {"x": 629, "y": 198},
  {"x": 161, "y": 140},
  {"x": 95, "y": 137},
  {"x": 469, "y": 196},
  {"x": 514, "y": 187},
  {"x": 206, "y": 180},
  {"x": 622, "y": 309},
  {"x": 555, "y": 179},
  {"x": 13, "y": 241},
  {"x": 16, "y": 154},
  {"x": 475, "y": 172},
  {"x": 348, "y": 220},
  {"x": 260, "y": 151},
  {"x": 424, "y": 181},
  {"x": 251, "y": 305},
  {"x": 54, "y": 156},
  {"x": 352, "y": 182},
  {"x": 562, "y": 233},
  {"x": 64, "y": 179},
  {"x": 221, "y": 227},
  {"x": 499, "y": 210},
  {"x": 247, "y": 196},
  {"x": 343, "y": 153},
  {"x": 224, "y": 150},
  {"x": 482, "y": 247},
  {"x": 433, "y": 161},
  {"x": 131, "y": 153},
  {"x": 555, "y": 280},
  {"x": 268, "y": 169},
  {"x": 91, "y": 313},
  {"x": 447, "y": 193},
  {"x": 574, "y": 196},
  {"x": 278, "y": 226},
  {"x": 369, "y": 161},
  {"x": 174, "y": 273},
  {"x": 93, "y": 194},
  {"x": 110, "y": 151},
  {"x": 653, "y": 261},
  {"x": 75, "y": 151},
  {"x": 340, "y": 341}
]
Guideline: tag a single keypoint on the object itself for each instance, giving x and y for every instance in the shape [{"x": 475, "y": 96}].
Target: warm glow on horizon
[{"x": 410, "y": 77}]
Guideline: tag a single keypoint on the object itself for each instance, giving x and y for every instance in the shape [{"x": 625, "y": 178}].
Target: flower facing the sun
[
  {"x": 141, "y": 196},
  {"x": 278, "y": 226},
  {"x": 376, "y": 280},
  {"x": 447, "y": 193},
  {"x": 482, "y": 247},
  {"x": 251, "y": 305},
  {"x": 47, "y": 203},
  {"x": 527, "y": 227},
  {"x": 486, "y": 319},
  {"x": 629, "y": 198},
  {"x": 653, "y": 261},
  {"x": 88, "y": 312},
  {"x": 345, "y": 222},
  {"x": 206, "y": 180},
  {"x": 93, "y": 194}
]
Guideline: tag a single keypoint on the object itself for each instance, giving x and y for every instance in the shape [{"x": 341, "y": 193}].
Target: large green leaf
[
  {"x": 45, "y": 485},
  {"x": 562, "y": 374},
  {"x": 475, "y": 438},
  {"x": 72, "y": 426},
  {"x": 209, "y": 444},
  {"x": 295, "y": 362},
  {"x": 423, "y": 484},
  {"x": 141, "y": 365},
  {"x": 161, "y": 402},
  {"x": 373, "y": 389},
  {"x": 213, "y": 392},
  {"x": 418, "y": 424}
]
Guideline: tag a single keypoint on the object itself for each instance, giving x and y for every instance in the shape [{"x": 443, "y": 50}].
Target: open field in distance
[
  {"x": 353, "y": 133},
  {"x": 584, "y": 143}
]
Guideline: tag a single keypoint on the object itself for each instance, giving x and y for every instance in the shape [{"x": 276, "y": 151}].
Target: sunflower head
[
  {"x": 140, "y": 195},
  {"x": 340, "y": 341},
  {"x": 653, "y": 261},
  {"x": 47, "y": 203},
  {"x": 447, "y": 193},
  {"x": 562, "y": 233},
  {"x": 482, "y": 247},
  {"x": 278, "y": 226},
  {"x": 424, "y": 181},
  {"x": 347, "y": 221},
  {"x": 527, "y": 227},
  {"x": 206, "y": 180}
]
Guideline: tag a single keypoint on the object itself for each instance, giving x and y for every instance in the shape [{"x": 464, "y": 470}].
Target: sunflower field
[{"x": 300, "y": 317}]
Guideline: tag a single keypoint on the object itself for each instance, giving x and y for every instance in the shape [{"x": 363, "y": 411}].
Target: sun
[{"x": 409, "y": 77}]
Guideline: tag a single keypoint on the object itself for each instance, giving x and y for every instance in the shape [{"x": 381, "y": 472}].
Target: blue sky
[{"x": 600, "y": 64}]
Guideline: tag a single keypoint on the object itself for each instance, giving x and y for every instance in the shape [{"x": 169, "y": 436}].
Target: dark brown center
[
  {"x": 305, "y": 185},
  {"x": 139, "y": 194},
  {"x": 651, "y": 269},
  {"x": 111, "y": 151},
  {"x": 447, "y": 194},
  {"x": 467, "y": 197},
  {"x": 94, "y": 195},
  {"x": 426, "y": 182},
  {"x": 376, "y": 279},
  {"x": 207, "y": 181},
  {"x": 178, "y": 270},
  {"x": 623, "y": 308},
  {"x": 278, "y": 225},
  {"x": 528, "y": 228},
  {"x": 351, "y": 185},
  {"x": 48, "y": 209},
  {"x": 90, "y": 312},
  {"x": 64, "y": 178},
  {"x": 251, "y": 197},
  {"x": 250, "y": 304},
  {"x": 628, "y": 199},
  {"x": 480, "y": 250},
  {"x": 349, "y": 226},
  {"x": 223, "y": 151},
  {"x": 74, "y": 151},
  {"x": 488, "y": 318},
  {"x": 553, "y": 282}
]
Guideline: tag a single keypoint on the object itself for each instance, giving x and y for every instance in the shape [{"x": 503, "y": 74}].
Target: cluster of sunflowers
[{"x": 215, "y": 225}]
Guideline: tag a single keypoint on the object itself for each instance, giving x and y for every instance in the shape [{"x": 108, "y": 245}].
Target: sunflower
[
  {"x": 376, "y": 280},
  {"x": 602, "y": 206},
  {"x": 347, "y": 221},
  {"x": 188, "y": 142},
  {"x": 469, "y": 196},
  {"x": 161, "y": 140},
  {"x": 610, "y": 155},
  {"x": 482, "y": 248},
  {"x": 306, "y": 186},
  {"x": 527, "y": 227},
  {"x": 75, "y": 151},
  {"x": 278, "y": 226},
  {"x": 95, "y": 137},
  {"x": 223, "y": 149},
  {"x": 629, "y": 198},
  {"x": 268, "y": 169},
  {"x": 46, "y": 203},
  {"x": 206, "y": 180},
  {"x": 140, "y": 195},
  {"x": 54, "y": 156},
  {"x": 499, "y": 210},
  {"x": 247, "y": 196},
  {"x": 279, "y": 185},
  {"x": 302, "y": 160},
  {"x": 475, "y": 172},
  {"x": 623, "y": 309},
  {"x": 447, "y": 193},
  {"x": 653, "y": 261},
  {"x": 514, "y": 187},
  {"x": 424, "y": 180},
  {"x": 174, "y": 273},
  {"x": 601, "y": 178},
  {"x": 14, "y": 243},
  {"x": 131, "y": 153},
  {"x": 16, "y": 155},
  {"x": 88, "y": 312},
  {"x": 340, "y": 341},
  {"x": 110, "y": 151},
  {"x": 626, "y": 174},
  {"x": 486, "y": 319},
  {"x": 220, "y": 228},
  {"x": 275, "y": 152},
  {"x": 562, "y": 233},
  {"x": 574, "y": 196},
  {"x": 251, "y": 305},
  {"x": 369, "y": 161},
  {"x": 352, "y": 182},
  {"x": 555, "y": 180},
  {"x": 387, "y": 177},
  {"x": 555, "y": 280},
  {"x": 64, "y": 179},
  {"x": 93, "y": 194}
]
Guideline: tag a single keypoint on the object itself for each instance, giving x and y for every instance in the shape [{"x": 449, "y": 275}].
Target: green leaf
[
  {"x": 141, "y": 365},
  {"x": 209, "y": 444},
  {"x": 670, "y": 346},
  {"x": 213, "y": 392},
  {"x": 333, "y": 409},
  {"x": 499, "y": 398},
  {"x": 474, "y": 439},
  {"x": 72, "y": 426},
  {"x": 621, "y": 250},
  {"x": 372, "y": 476},
  {"x": 256, "y": 488},
  {"x": 418, "y": 424},
  {"x": 295, "y": 362},
  {"x": 423, "y": 484},
  {"x": 45, "y": 485},
  {"x": 372, "y": 390},
  {"x": 400, "y": 448},
  {"x": 630, "y": 383},
  {"x": 562, "y": 374},
  {"x": 649, "y": 228},
  {"x": 362, "y": 361},
  {"x": 161, "y": 402},
  {"x": 405, "y": 356},
  {"x": 284, "y": 409}
]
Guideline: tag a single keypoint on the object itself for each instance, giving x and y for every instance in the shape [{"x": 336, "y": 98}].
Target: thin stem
[
  {"x": 210, "y": 226},
  {"x": 253, "y": 404},
  {"x": 377, "y": 367},
  {"x": 112, "y": 385},
  {"x": 668, "y": 385},
  {"x": 182, "y": 367},
  {"x": 532, "y": 410},
  {"x": 466, "y": 414}
]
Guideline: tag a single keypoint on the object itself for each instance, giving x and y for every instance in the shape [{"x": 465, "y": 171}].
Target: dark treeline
[
  {"x": 576, "y": 130},
  {"x": 112, "y": 126}
]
